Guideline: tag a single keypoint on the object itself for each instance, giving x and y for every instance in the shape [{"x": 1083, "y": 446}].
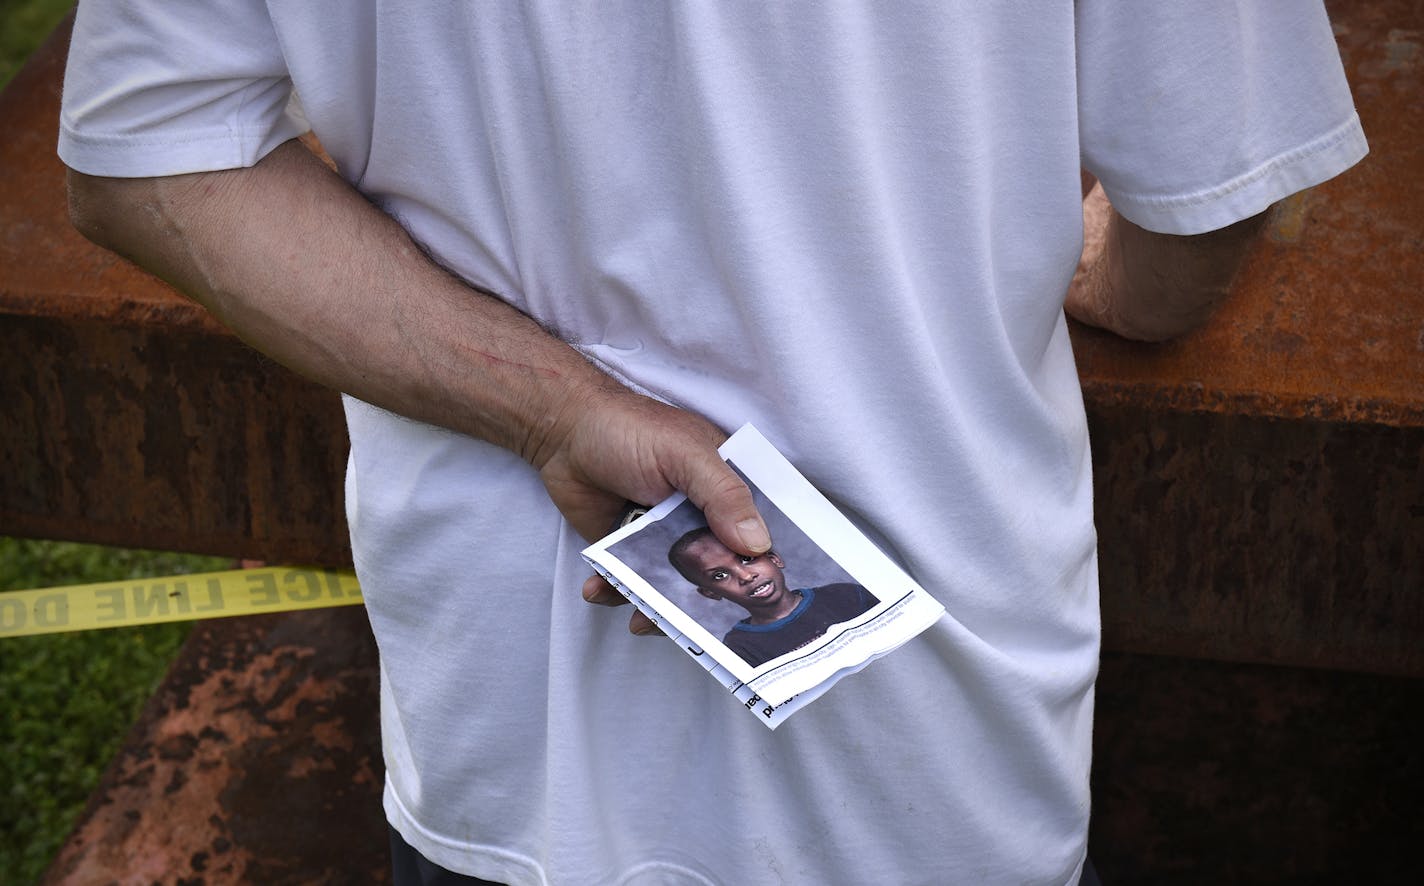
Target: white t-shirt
[{"x": 850, "y": 224}]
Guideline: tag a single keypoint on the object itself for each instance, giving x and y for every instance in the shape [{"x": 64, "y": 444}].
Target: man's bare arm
[
  {"x": 307, "y": 271},
  {"x": 1149, "y": 286}
]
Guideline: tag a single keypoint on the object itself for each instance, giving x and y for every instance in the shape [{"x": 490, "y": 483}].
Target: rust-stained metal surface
[
  {"x": 1260, "y": 539},
  {"x": 257, "y": 761},
  {"x": 134, "y": 435},
  {"x": 46, "y": 268},
  {"x": 1260, "y": 484},
  {"x": 1327, "y": 321},
  {"x": 1206, "y": 772},
  {"x": 129, "y": 415}
]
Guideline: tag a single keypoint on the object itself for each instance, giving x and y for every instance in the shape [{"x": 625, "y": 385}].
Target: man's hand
[
  {"x": 304, "y": 269},
  {"x": 613, "y": 446},
  {"x": 618, "y": 446},
  {"x": 1149, "y": 286}
]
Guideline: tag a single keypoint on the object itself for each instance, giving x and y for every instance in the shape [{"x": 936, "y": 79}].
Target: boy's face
[{"x": 754, "y": 583}]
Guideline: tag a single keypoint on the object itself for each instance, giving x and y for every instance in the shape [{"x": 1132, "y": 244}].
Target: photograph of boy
[{"x": 779, "y": 619}]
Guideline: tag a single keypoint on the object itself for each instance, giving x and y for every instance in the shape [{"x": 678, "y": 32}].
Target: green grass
[
  {"x": 67, "y": 700},
  {"x": 23, "y": 26}
]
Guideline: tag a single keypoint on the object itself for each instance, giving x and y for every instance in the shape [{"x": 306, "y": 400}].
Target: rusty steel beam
[
  {"x": 1251, "y": 539},
  {"x": 1211, "y": 772},
  {"x": 130, "y": 417},
  {"x": 133, "y": 418},
  {"x": 1260, "y": 483},
  {"x": 257, "y": 761},
  {"x": 166, "y": 438}
]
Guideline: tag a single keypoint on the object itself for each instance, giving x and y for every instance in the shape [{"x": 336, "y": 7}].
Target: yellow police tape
[{"x": 144, "y": 601}]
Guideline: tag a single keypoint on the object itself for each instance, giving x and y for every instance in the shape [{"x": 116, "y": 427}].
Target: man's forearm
[
  {"x": 307, "y": 271},
  {"x": 303, "y": 268},
  {"x": 1149, "y": 286}
]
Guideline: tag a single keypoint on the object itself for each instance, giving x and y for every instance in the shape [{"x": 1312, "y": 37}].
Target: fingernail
[{"x": 753, "y": 534}]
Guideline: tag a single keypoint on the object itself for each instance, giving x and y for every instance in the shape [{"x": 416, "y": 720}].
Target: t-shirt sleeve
[
  {"x": 1197, "y": 115},
  {"x": 167, "y": 88}
]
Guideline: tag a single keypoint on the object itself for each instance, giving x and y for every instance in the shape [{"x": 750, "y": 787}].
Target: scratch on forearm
[{"x": 496, "y": 361}]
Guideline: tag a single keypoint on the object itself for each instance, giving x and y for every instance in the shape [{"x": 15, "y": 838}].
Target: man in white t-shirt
[{"x": 567, "y": 245}]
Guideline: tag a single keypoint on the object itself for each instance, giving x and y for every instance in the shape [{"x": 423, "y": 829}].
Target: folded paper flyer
[{"x": 779, "y": 629}]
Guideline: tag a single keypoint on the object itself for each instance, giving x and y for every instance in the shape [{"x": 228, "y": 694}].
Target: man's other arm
[
  {"x": 304, "y": 269},
  {"x": 1149, "y": 286}
]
